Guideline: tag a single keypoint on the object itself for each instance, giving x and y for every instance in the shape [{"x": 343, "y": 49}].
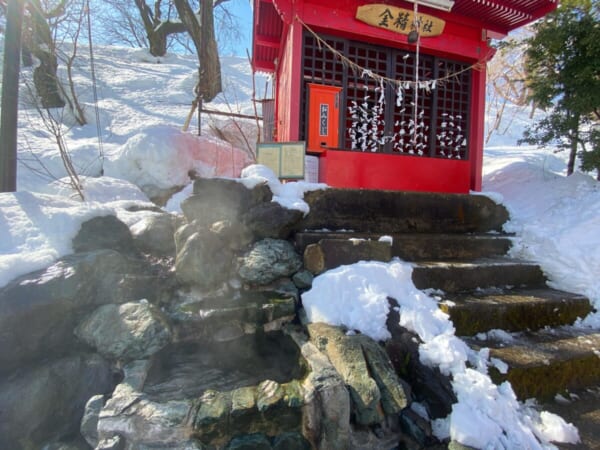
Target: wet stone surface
[{"x": 187, "y": 370}]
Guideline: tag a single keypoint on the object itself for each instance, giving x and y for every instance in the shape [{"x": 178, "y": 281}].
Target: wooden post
[
  {"x": 199, "y": 100},
  {"x": 10, "y": 97}
]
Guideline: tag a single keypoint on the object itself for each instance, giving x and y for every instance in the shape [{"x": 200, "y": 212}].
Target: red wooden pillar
[
  {"x": 477, "y": 126},
  {"x": 289, "y": 85}
]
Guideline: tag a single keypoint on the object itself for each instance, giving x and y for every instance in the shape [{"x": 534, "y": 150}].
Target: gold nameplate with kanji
[{"x": 399, "y": 20}]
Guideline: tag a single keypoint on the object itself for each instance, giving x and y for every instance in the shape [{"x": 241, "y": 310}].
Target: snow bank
[
  {"x": 161, "y": 157},
  {"x": 556, "y": 219}
]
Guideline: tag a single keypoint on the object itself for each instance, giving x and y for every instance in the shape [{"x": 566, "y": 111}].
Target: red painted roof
[
  {"x": 500, "y": 16},
  {"x": 504, "y": 15}
]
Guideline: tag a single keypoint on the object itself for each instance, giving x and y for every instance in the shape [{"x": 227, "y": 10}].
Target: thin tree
[{"x": 563, "y": 73}]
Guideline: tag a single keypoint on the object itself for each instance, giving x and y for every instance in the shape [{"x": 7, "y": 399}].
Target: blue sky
[{"x": 243, "y": 11}]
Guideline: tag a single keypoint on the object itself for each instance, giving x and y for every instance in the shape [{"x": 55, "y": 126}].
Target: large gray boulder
[
  {"x": 154, "y": 234},
  {"x": 268, "y": 260},
  {"x": 104, "y": 232},
  {"x": 217, "y": 199},
  {"x": 130, "y": 331},
  {"x": 271, "y": 220},
  {"x": 39, "y": 311},
  {"x": 47, "y": 401},
  {"x": 203, "y": 259}
]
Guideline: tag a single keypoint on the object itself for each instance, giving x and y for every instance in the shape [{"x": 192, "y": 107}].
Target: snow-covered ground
[{"x": 143, "y": 103}]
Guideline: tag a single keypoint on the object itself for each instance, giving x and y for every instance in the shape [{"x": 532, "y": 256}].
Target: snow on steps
[{"x": 457, "y": 247}]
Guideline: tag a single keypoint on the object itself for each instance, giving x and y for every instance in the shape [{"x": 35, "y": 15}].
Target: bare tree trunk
[
  {"x": 157, "y": 30},
  {"x": 203, "y": 36},
  {"x": 45, "y": 75}
]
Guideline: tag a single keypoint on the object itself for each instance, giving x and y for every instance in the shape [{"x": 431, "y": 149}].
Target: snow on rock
[
  {"x": 289, "y": 195},
  {"x": 355, "y": 296},
  {"x": 38, "y": 229}
]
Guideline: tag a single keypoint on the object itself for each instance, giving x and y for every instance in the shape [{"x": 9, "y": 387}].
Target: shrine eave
[{"x": 497, "y": 16}]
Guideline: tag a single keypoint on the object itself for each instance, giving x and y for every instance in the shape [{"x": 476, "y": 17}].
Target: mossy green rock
[{"x": 346, "y": 355}]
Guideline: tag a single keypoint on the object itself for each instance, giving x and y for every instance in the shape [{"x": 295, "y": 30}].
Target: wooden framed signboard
[
  {"x": 399, "y": 20},
  {"x": 286, "y": 159}
]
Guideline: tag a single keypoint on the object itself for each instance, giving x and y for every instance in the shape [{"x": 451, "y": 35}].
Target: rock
[
  {"x": 303, "y": 279},
  {"x": 346, "y": 355},
  {"x": 379, "y": 438},
  {"x": 105, "y": 232},
  {"x": 154, "y": 234},
  {"x": 222, "y": 317},
  {"x": 188, "y": 445},
  {"x": 112, "y": 443},
  {"x": 140, "y": 421},
  {"x": 52, "y": 301},
  {"x": 453, "y": 445},
  {"x": 213, "y": 412},
  {"x": 269, "y": 394},
  {"x": 183, "y": 233},
  {"x": 243, "y": 400},
  {"x": 216, "y": 199},
  {"x": 417, "y": 427},
  {"x": 129, "y": 331},
  {"x": 395, "y": 393},
  {"x": 47, "y": 401},
  {"x": 269, "y": 260},
  {"x": 203, "y": 260},
  {"x": 235, "y": 234},
  {"x": 89, "y": 422},
  {"x": 271, "y": 220},
  {"x": 290, "y": 441},
  {"x": 155, "y": 287},
  {"x": 326, "y": 411},
  {"x": 428, "y": 385},
  {"x": 76, "y": 443},
  {"x": 256, "y": 441}
]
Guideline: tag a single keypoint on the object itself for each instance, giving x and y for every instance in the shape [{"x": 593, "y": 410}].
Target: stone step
[
  {"x": 363, "y": 210},
  {"x": 544, "y": 363},
  {"x": 513, "y": 310},
  {"x": 422, "y": 246},
  {"x": 328, "y": 254},
  {"x": 455, "y": 276}
]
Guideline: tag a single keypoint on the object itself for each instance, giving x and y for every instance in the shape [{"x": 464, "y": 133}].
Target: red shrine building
[{"x": 388, "y": 94}]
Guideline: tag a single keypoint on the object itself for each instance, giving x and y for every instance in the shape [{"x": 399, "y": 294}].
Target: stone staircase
[{"x": 459, "y": 251}]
